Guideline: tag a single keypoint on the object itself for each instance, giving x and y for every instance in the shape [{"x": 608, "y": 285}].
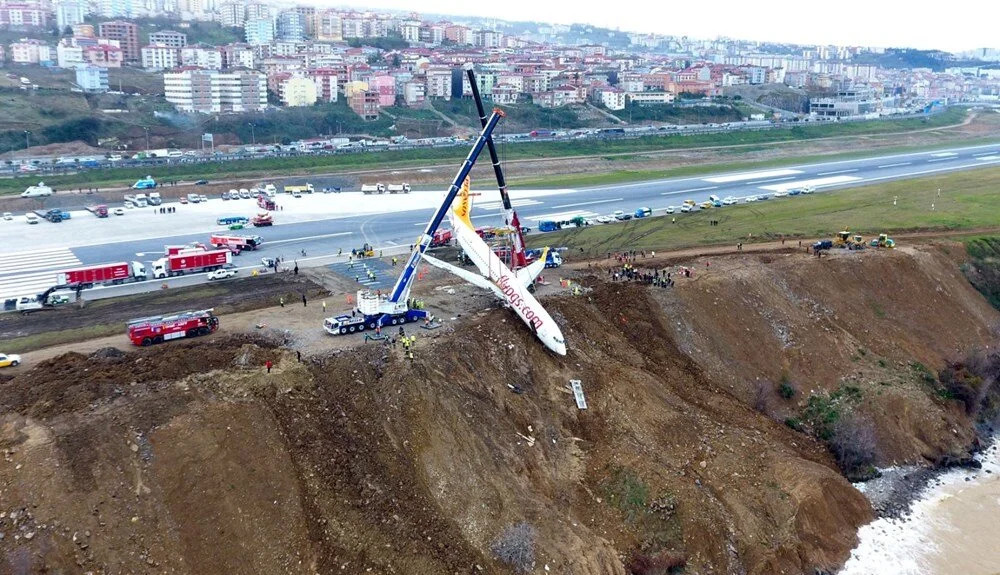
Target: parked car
[
  {"x": 670, "y": 209},
  {"x": 296, "y": 194},
  {"x": 183, "y": 200},
  {"x": 808, "y": 189},
  {"x": 31, "y": 218},
  {"x": 245, "y": 194},
  {"x": 222, "y": 274},
  {"x": 201, "y": 182},
  {"x": 203, "y": 198},
  {"x": 118, "y": 211},
  {"x": 780, "y": 194},
  {"x": 685, "y": 208},
  {"x": 604, "y": 219},
  {"x": 11, "y": 360},
  {"x": 8, "y": 216},
  {"x": 729, "y": 201}
]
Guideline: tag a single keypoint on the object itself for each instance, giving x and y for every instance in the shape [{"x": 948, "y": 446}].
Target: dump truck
[
  {"x": 301, "y": 188},
  {"x": 403, "y": 188},
  {"x": 373, "y": 188},
  {"x": 157, "y": 329}
]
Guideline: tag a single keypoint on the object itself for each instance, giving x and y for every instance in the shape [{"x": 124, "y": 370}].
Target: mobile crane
[{"x": 377, "y": 309}]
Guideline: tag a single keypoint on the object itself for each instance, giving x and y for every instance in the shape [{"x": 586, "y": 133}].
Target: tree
[
  {"x": 395, "y": 61},
  {"x": 68, "y": 31}
]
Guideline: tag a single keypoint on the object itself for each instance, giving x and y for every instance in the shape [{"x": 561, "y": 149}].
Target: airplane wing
[
  {"x": 528, "y": 274},
  {"x": 471, "y": 277}
]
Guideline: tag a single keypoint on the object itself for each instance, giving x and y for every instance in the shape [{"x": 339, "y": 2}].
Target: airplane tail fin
[{"x": 461, "y": 208}]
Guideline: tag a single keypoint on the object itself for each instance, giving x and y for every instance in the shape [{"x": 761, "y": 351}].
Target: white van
[
  {"x": 194, "y": 198},
  {"x": 41, "y": 190}
]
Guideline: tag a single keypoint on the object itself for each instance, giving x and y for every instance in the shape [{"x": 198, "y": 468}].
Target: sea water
[{"x": 953, "y": 528}]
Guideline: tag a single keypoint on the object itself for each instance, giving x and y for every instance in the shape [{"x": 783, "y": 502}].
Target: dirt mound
[
  {"x": 108, "y": 355},
  {"x": 191, "y": 458}
]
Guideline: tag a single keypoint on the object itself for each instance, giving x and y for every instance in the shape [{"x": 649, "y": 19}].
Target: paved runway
[{"x": 325, "y": 223}]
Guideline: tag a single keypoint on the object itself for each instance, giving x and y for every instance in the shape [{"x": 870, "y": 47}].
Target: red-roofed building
[{"x": 104, "y": 55}]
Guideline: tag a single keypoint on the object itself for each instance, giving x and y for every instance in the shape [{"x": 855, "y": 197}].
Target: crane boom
[
  {"x": 402, "y": 287},
  {"x": 509, "y": 217}
]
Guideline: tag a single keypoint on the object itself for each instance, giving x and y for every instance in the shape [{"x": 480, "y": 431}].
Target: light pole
[
  {"x": 253, "y": 137},
  {"x": 27, "y": 140},
  {"x": 147, "y": 137}
]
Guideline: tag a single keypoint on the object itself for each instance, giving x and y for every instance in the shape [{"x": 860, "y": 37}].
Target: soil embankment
[{"x": 191, "y": 458}]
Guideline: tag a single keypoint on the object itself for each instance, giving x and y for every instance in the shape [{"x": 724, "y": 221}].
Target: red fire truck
[{"x": 149, "y": 330}]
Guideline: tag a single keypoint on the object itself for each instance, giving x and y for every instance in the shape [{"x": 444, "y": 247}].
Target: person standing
[
  {"x": 268, "y": 364},
  {"x": 303, "y": 300}
]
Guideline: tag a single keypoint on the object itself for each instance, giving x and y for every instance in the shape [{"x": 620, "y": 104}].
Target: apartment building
[
  {"x": 30, "y": 52},
  {"x": 237, "y": 56},
  {"x": 209, "y": 58},
  {"x": 104, "y": 55},
  {"x": 211, "y": 91},
  {"x": 326, "y": 80},
  {"x": 168, "y": 38},
  {"x": 160, "y": 57},
  {"x": 613, "y": 98},
  {"x": 92, "y": 78},
  {"x": 307, "y": 14},
  {"x": 232, "y": 14},
  {"x": 127, "y": 35},
  {"x": 23, "y": 15},
  {"x": 68, "y": 54},
  {"x": 255, "y": 11},
  {"x": 70, "y": 12},
  {"x": 365, "y": 103},
  {"x": 329, "y": 27},
  {"x": 291, "y": 26},
  {"x": 259, "y": 31},
  {"x": 298, "y": 91},
  {"x": 84, "y": 31}
]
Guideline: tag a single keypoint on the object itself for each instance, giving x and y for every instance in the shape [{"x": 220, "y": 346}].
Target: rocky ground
[{"x": 190, "y": 458}]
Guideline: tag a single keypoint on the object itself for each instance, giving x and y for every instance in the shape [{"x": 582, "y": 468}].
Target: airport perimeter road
[{"x": 322, "y": 224}]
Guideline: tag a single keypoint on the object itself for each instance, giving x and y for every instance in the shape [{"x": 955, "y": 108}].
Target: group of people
[
  {"x": 629, "y": 256},
  {"x": 656, "y": 278},
  {"x": 166, "y": 210}
]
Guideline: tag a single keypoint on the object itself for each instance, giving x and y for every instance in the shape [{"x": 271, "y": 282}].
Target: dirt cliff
[{"x": 190, "y": 458}]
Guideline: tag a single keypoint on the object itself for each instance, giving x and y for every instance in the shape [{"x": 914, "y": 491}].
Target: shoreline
[{"x": 904, "y": 539}]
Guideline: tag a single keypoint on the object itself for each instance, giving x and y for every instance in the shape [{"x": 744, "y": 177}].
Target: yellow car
[
  {"x": 9, "y": 360},
  {"x": 705, "y": 205}
]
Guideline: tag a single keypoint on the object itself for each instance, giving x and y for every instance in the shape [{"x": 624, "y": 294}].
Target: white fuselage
[{"x": 510, "y": 287}]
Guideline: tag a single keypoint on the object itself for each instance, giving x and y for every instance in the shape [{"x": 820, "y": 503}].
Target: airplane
[{"x": 493, "y": 275}]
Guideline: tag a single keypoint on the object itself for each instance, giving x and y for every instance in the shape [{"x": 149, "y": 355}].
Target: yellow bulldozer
[{"x": 848, "y": 241}]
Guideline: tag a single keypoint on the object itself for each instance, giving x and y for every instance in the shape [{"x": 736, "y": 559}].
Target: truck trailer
[
  {"x": 403, "y": 188},
  {"x": 104, "y": 274},
  {"x": 191, "y": 262},
  {"x": 157, "y": 329},
  {"x": 238, "y": 243}
]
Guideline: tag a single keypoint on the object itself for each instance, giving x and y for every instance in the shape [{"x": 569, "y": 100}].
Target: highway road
[{"x": 322, "y": 224}]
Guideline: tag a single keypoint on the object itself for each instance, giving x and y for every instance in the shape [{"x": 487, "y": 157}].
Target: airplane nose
[{"x": 557, "y": 346}]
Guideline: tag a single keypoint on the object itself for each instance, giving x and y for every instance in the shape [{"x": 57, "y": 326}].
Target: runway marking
[
  {"x": 944, "y": 155},
  {"x": 837, "y": 172},
  {"x": 982, "y": 154},
  {"x": 706, "y": 188},
  {"x": 814, "y": 183},
  {"x": 47, "y": 259},
  {"x": 941, "y": 159},
  {"x": 895, "y": 165},
  {"x": 498, "y": 205},
  {"x": 752, "y": 176},
  {"x": 26, "y": 284},
  {"x": 988, "y": 158},
  {"x": 772, "y": 180}
]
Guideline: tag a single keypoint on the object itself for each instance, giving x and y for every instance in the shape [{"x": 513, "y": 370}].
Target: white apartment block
[
  {"x": 439, "y": 84},
  {"x": 651, "y": 98},
  {"x": 160, "y": 57},
  {"x": 210, "y": 91},
  {"x": 208, "y": 58},
  {"x": 613, "y": 99},
  {"x": 69, "y": 56},
  {"x": 232, "y": 14},
  {"x": 329, "y": 27},
  {"x": 259, "y": 31},
  {"x": 70, "y": 12}
]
